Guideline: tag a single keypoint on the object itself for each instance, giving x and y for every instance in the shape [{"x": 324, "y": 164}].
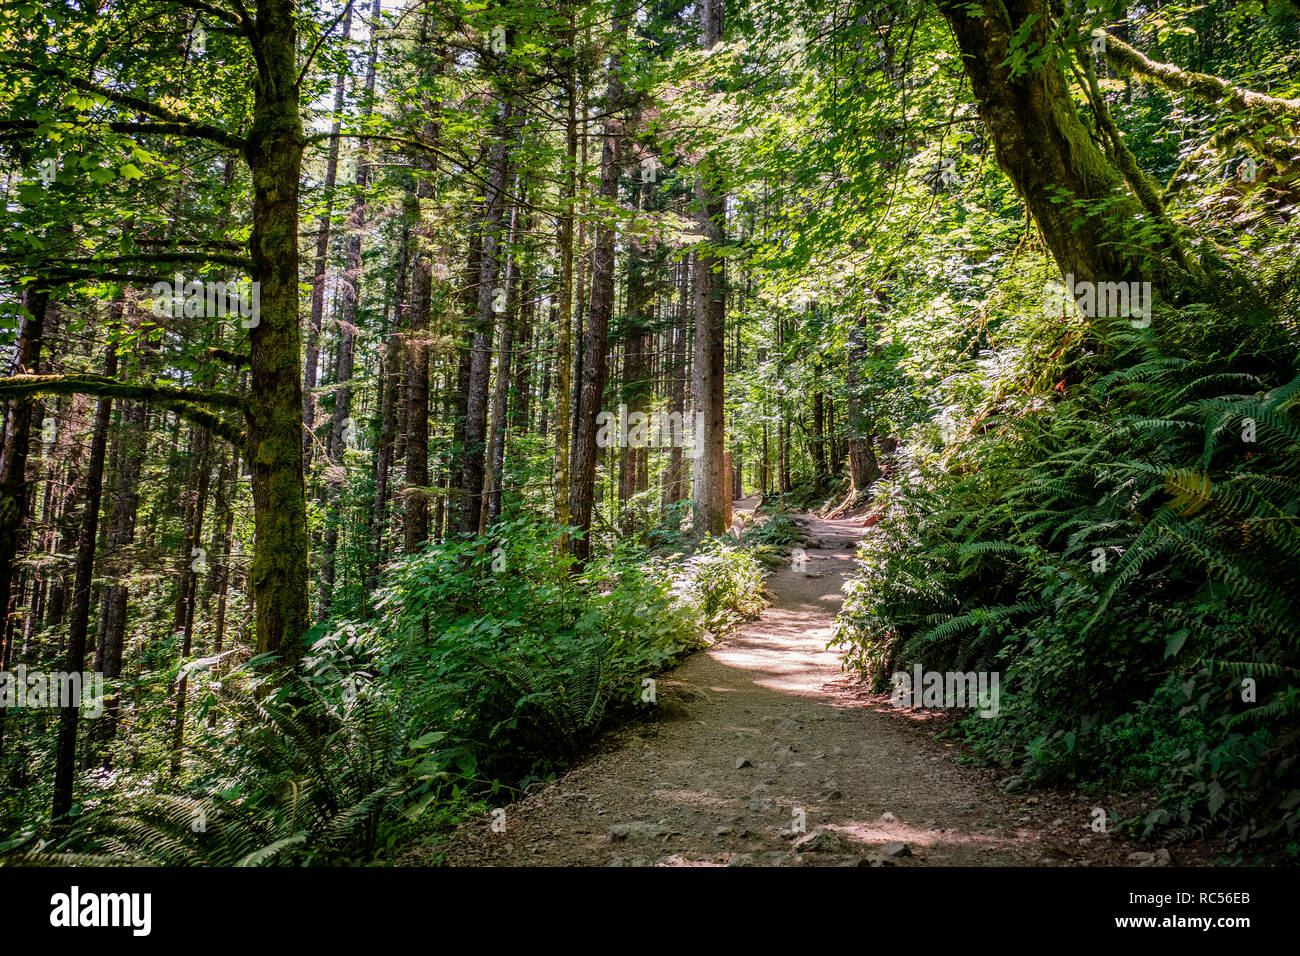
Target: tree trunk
[
  {"x": 194, "y": 503},
  {"x": 310, "y": 370},
  {"x": 1042, "y": 143},
  {"x": 222, "y": 546},
  {"x": 863, "y": 468},
  {"x": 110, "y": 634},
  {"x": 347, "y": 336},
  {"x": 712, "y": 483},
  {"x": 191, "y": 566},
  {"x": 580, "y": 308},
  {"x": 469, "y": 299},
  {"x": 819, "y": 435},
  {"x": 544, "y": 403},
  {"x": 474, "y": 452},
  {"x": 13, "y": 465},
  {"x": 675, "y": 483},
  {"x": 416, "y": 366},
  {"x": 497, "y": 438},
  {"x": 833, "y": 442},
  {"x": 596, "y": 349},
  {"x": 389, "y": 411},
  {"x": 521, "y": 406},
  {"x": 65, "y": 757},
  {"x": 564, "y": 346},
  {"x": 637, "y": 382},
  {"x": 274, "y": 153}
]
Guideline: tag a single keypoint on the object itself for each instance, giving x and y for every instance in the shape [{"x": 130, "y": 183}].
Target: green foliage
[
  {"x": 777, "y": 528},
  {"x": 727, "y": 583},
  {"x": 515, "y": 659},
  {"x": 1108, "y": 552},
  {"x": 1072, "y": 502},
  {"x": 491, "y": 666},
  {"x": 296, "y": 778}
]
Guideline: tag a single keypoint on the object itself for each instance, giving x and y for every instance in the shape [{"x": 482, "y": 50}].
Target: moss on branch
[
  {"x": 1203, "y": 86},
  {"x": 193, "y": 404}
]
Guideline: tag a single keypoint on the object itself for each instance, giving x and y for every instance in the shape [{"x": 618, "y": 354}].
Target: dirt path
[{"x": 764, "y": 725}]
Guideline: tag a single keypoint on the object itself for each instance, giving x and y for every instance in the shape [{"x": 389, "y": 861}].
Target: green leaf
[{"x": 1216, "y": 798}]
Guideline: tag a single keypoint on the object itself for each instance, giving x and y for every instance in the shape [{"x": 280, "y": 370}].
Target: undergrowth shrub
[
  {"x": 489, "y": 665},
  {"x": 1127, "y": 557},
  {"x": 726, "y": 583},
  {"x": 777, "y": 528}
]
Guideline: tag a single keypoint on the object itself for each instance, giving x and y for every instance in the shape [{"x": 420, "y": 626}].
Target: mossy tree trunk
[
  {"x": 1040, "y": 140},
  {"x": 274, "y": 152}
]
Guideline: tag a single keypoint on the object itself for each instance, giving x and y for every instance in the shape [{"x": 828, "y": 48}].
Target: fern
[
  {"x": 1190, "y": 490},
  {"x": 318, "y": 780}
]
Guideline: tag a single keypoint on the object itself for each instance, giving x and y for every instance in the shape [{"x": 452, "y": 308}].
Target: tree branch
[
  {"x": 1266, "y": 149},
  {"x": 321, "y": 39},
  {"x": 186, "y": 402},
  {"x": 188, "y": 125},
  {"x": 216, "y": 258},
  {"x": 210, "y": 133},
  {"x": 198, "y": 131},
  {"x": 215, "y": 12},
  {"x": 1212, "y": 89},
  {"x": 254, "y": 38},
  {"x": 237, "y": 359}
]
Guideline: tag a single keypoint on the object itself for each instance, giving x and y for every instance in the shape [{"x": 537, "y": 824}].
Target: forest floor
[{"x": 765, "y": 723}]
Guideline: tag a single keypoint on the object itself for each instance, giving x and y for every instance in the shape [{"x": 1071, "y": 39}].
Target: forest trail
[{"x": 764, "y": 722}]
